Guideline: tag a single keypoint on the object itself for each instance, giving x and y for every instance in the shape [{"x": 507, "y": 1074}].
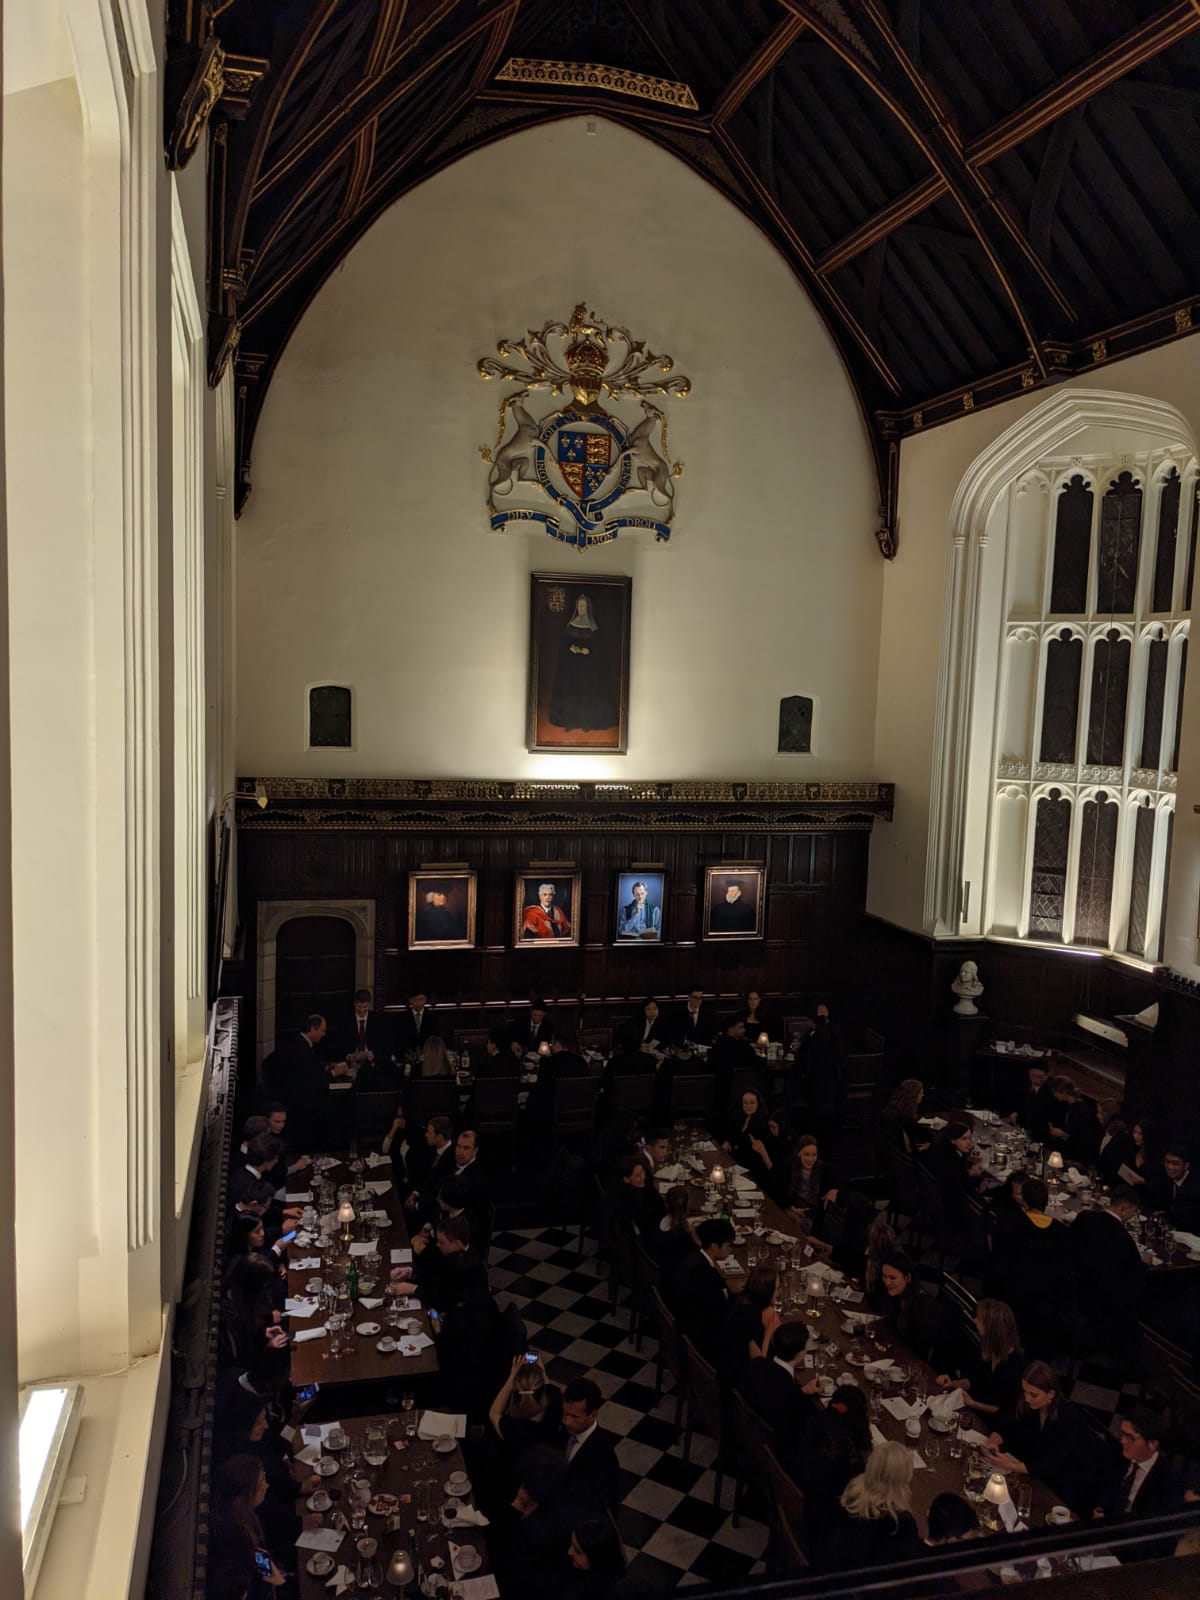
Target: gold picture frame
[
  {"x": 732, "y": 915},
  {"x": 441, "y": 908},
  {"x": 550, "y": 923}
]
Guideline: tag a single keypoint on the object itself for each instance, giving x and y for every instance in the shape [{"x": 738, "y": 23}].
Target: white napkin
[
  {"x": 918, "y": 1464},
  {"x": 401, "y": 1258},
  {"x": 326, "y": 1539},
  {"x": 1189, "y": 1241},
  {"x": 484, "y": 1588},
  {"x": 877, "y": 1435},
  {"x": 742, "y": 1183},
  {"x": 310, "y": 1455},
  {"x": 886, "y": 1365},
  {"x": 408, "y": 1305},
  {"x": 851, "y": 1297},
  {"x": 302, "y": 1198},
  {"x": 706, "y": 1144},
  {"x": 342, "y": 1580},
  {"x": 744, "y": 1213},
  {"x": 1008, "y": 1514},
  {"x": 372, "y": 1304},
  {"x": 380, "y": 1218},
  {"x": 441, "y": 1425},
  {"x": 933, "y": 1122},
  {"x": 299, "y": 1308},
  {"x": 376, "y": 1160},
  {"x": 943, "y": 1406},
  {"x": 412, "y": 1345},
  {"x": 670, "y": 1174},
  {"x": 972, "y": 1436},
  {"x": 361, "y": 1249},
  {"x": 468, "y": 1516},
  {"x": 309, "y": 1333},
  {"x": 302, "y": 1240},
  {"x": 379, "y": 1185},
  {"x": 309, "y": 1264},
  {"x": 901, "y": 1409}
]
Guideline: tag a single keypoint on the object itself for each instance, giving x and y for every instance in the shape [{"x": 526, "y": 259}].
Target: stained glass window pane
[
  {"x": 1048, "y": 881},
  {"x": 1164, "y": 555},
  {"x": 1097, "y": 853},
  {"x": 1120, "y": 539},
  {"x": 1106, "y": 715},
  {"x": 1191, "y": 566},
  {"x": 1156, "y": 954},
  {"x": 1139, "y": 889},
  {"x": 1179, "y": 704},
  {"x": 1156, "y": 688},
  {"x": 1060, "y": 698},
  {"x": 1072, "y": 547},
  {"x": 329, "y": 717}
]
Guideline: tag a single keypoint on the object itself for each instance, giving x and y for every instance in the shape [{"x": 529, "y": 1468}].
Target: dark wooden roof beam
[
  {"x": 755, "y": 70},
  {"x": 1121, "y": 58},
  {"x": 878, "y": 227}
]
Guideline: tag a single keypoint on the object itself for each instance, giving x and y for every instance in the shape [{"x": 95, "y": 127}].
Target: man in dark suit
[
  {"x": 592, "y": 1480},
  {"x": 533, "y": 1030},
  {"x": 365, "y": 1036},
  {"x": 1074, "y": 1122},
  {"x": 431, "y": 1165},
  {"x": 469, "y": 1178},
  {"x": 699, "y": 1289},
  {"x": 773, "y": 1386},
  {"x": 1037, "y": 1104},
  {"x": 254, "y": 1183},
  {"x": 294, "y": 1076},
  {"x": 693, "y": 1025},
  {"x": 416, "y": 1026},
  {"x": 1181, "y": 1191},
  {"x": 457, "y": 1290},
  {"x": 1150, "y": 1486},
  {"x": 732, "y": 913},
  {"x": 1109, "y": 1272},
  {"x": 731, "y": 1053}
]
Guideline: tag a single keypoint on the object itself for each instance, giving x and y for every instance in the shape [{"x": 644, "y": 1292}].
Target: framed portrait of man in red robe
[{"x": 546, "y": 910}]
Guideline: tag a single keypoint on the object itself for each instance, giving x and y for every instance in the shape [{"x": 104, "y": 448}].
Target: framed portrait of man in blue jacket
[{"x": 640, "y": 904}]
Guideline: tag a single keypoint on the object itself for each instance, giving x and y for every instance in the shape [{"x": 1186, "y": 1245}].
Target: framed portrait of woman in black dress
[{"x": 578, "y": 662}]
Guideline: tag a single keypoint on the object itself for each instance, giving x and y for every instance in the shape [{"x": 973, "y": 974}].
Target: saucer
[
  {"x": 321, "y": 1564},
  {"x": 468, "y": 1558},
  {"x": 325, "y": 1467},
  {"x": 457, "y": 1491},
  {"x": 319, "y": 1501},
  {"x": 445, "y": 1446},
  {"x": 385, "y": 1346}
]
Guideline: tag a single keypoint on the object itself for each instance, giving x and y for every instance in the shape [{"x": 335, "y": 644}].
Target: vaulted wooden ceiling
[{"x": 981, "y": 196}]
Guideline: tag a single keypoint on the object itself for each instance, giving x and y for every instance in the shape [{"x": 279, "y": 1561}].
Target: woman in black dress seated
[
  {"x": 806, "y": 1185},
  {"x": 916, "y": 1319},
  {"x": 756, "y": 1017},
  {"x": 749, "y": 1139},
  {"x": 673, "y": 1242},
  {"x": 876, "y": 1527},
  {"x": 1053, "y": 1440},
  {"x": 749, "y": 1324},
  {"x": 991, "y": 1383},
  {"x": 834, "y": 1449},
  {"x": 898, "y": 1120}
]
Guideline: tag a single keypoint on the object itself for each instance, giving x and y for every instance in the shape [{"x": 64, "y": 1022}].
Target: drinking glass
[
  {"x": 375, "y": 1449},
  {"x": 954, "y": 1445},
  {"x": 1024, "y": 1497}
]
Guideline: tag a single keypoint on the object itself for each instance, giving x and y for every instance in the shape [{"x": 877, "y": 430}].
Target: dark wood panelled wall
[{"x": 816, "y": 892}]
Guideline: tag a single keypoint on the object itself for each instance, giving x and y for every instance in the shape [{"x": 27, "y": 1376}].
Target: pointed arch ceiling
[{"x": 980, "y": 200}]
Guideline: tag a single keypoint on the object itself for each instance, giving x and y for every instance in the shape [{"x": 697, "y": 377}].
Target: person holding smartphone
[
  {"x": 528, "y": 1409},
  {"x": 239, "y": 1531}
]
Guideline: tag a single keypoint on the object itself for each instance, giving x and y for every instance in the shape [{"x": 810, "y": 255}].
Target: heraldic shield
[{"x": 584, "y": 460}]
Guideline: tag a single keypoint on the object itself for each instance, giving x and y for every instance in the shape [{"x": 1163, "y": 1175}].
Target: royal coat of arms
[{"x": 602, "y": 472}]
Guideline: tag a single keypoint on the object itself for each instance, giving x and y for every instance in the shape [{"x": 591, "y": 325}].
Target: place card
[
  {"x": 401, "y": 1258},
  {"x": 318, "y": 1432},
  {"x": 379, "y": 1185},
  {"x": 306, "y": 1264},
  {"x": 484, "y": 1588},
  {"x": 731, "y": 1267},
  {"x": 303, "y": 1197},
  {"x": 362, "y": 1248},
  {"x": 413, "y": 1344},
  {"x": 310, "y": 1455},
  {"x": 376, "y": 1160}
]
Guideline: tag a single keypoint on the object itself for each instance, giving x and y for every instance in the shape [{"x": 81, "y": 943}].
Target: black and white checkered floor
[{"x": 673, "y": 1535}]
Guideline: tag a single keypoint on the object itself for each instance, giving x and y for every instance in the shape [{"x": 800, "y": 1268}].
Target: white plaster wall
[
  {"x": 364, "y": 556},
  {"x": 932, "y": 466}
]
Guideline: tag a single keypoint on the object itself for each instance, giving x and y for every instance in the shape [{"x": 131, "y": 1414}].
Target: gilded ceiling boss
[{"x": 586, "y": 460}]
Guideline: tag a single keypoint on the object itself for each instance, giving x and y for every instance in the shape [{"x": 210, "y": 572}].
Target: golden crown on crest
[{"x": 584, "y": 368}]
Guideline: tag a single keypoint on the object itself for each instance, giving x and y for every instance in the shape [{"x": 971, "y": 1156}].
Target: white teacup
[
  {"x": 1058, "y": 1515},
  {"x": 320, "y": 1501},
  {"x": 458, "y": 1480}
]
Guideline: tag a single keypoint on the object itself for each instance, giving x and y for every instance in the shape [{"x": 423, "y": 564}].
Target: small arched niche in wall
[
  {"x": 797, "y": 725},
  {"x": 329, "y": 717}
]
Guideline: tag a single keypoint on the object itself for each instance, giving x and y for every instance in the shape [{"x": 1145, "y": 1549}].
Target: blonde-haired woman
[
  {"x": 435, "y": 1063},
  {"x": 991, "y": 1383},
  {"x": 877, "y": 1526},
  {"x": 526, "y": 1412}
]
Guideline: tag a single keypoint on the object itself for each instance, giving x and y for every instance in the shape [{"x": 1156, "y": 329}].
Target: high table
[
  {"x": 418, "y": 1472},
  {"x": 832, "y": 1349},
  {"x": 362, "y": 1362}
]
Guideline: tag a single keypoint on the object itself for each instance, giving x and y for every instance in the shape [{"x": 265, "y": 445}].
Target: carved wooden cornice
[{"x": 495, "y": 805}]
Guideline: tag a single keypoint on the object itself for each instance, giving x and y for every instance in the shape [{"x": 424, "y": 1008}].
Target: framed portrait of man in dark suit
[
  {"x": 546, "y": 910},
  {"x": 640, "y": 907},
  {"x": 734, "y": 902},
  {"x": 441, "y": 909}
]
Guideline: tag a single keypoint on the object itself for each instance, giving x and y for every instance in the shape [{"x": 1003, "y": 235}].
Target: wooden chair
[
  {"x": 903, "y": 1197},
  {"x": 472, "y": 1039},
  {"x": 756, "y": 1078},
  {"x": 873, "y": 1042},
  {"x": 797, "y": 1027},
  {"x": 373, "y": 1114},
  {"x": 670, "y": 1351},
  {"x": 574, "y": 1107},
  {"x": 432, "y": 1097},
  {"x": 862, "y": 1076},
  {"x": 632, "y": 1095},
  {"x": 753, "y": 1438},
  {"x": 791, "y": 1519},
  {"x": 704, "y": 1412},
  {"x": 931, "y": 1220},
  {"x": 691, "y": 1096},
  {"x": 1183, "y": 1399},
  {"x": 595, "y": 1039},
  {"x": 1161, "y": 1359},
  {"x": 494, "y": 1109}
]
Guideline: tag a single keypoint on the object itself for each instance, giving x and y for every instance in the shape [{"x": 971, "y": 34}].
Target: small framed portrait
[
  {"x": 641, "y": 902},
  {"x": 546, "y": 909},
  {"x": 441, "y": 909},
  {"x": 578, "y": 663},
  {"x": 734, "y": 901}
]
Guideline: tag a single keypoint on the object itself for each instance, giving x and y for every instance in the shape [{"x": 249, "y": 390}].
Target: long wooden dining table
[
  {"x": 362, "y": 1360},
  {"x": 943, "y": 1461},
  {"x": 417, "y": 1475}
]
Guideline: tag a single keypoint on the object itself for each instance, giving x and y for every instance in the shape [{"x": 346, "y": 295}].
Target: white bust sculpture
[{"x": 968, "y": 989}]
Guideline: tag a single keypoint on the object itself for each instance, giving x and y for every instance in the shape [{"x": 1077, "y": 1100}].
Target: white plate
[
  {"x": 326, "y": 1467},
  {"x": 320, "y": 1564},
  {"x": 468, "y": 1558},
  {"x": 368, "y": 1329},
  {"x": 457, "y": 1491}
]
